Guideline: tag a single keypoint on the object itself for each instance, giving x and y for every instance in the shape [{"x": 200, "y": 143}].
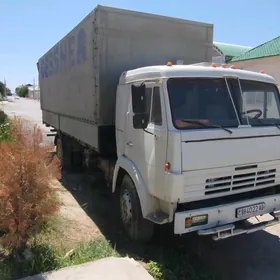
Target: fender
[{"x": 147, "y": 201}]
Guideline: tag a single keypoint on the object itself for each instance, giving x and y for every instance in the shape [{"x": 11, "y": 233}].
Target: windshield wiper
[{"x": 206, "y": 125}]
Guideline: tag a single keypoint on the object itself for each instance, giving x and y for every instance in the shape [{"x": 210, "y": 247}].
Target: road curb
[{"x": 111, "y": 268}]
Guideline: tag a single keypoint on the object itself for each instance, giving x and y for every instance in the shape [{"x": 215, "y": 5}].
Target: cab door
[{"x": 147, "y": 147}]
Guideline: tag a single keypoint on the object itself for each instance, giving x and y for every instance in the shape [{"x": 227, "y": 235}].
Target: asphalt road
[
  {"x": 247, "y": 257},
  {"x": 27, "y": 109}
]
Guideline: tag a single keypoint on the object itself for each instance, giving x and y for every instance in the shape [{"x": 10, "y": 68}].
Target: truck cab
[{"x": 197, "y": 146}]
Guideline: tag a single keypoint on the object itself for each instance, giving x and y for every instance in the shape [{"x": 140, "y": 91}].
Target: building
[
  {"x": 223, "y": 52},
  {"x": 264, "y": 57},
  {"x": 34, "y": 92}
]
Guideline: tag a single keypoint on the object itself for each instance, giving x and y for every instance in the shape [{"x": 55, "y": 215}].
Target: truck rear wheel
[
  {"x": 69, "y": 152},
  {"x": 63, "y": 152},
  {"x": 136, "y": 227}
]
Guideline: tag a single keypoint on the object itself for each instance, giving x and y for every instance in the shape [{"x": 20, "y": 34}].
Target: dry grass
[{"x": 26, "y": 197}]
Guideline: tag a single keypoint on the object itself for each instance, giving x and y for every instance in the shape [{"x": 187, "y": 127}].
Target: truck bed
[{"x": 79, "y": 75}]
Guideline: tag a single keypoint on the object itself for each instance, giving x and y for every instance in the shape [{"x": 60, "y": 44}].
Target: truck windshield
[
  {"x": 220, "y": 102},
  {"x": 260, "y": 104}
]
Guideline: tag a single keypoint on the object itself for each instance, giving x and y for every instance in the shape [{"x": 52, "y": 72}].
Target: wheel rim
[{"x": 126, "y": 208}]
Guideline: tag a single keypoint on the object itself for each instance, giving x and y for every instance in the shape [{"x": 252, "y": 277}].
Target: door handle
[{"x": 130, "y": 144}]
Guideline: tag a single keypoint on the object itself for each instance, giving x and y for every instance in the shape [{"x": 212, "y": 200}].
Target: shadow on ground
[{"x": 254, "y": 256}]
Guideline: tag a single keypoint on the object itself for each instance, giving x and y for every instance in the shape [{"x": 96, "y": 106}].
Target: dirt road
[{"x": 255, "y": 256}]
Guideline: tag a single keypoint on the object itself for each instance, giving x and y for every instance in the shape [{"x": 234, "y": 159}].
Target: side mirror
[
  {"x": 140, "y": 121},
  {"x": 139, "y": 107}
]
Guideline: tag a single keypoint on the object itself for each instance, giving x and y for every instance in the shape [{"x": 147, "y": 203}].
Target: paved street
[
  {"x": 25, "y": 108},
  {"x": 28, "y": 109},
  {"x": 255, "y": 256}
]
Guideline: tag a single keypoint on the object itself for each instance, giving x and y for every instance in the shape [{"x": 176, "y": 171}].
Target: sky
[{"x": 28, "y": 28}]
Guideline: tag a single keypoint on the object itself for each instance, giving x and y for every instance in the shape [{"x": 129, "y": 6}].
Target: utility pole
[{"x": 34, "y": 89}]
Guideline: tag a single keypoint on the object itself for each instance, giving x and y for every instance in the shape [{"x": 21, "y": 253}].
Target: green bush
[
  {"x": 3, "y": 117},
  {"x": 42, "y": 257},
  {"x": 4, "y": 127}
]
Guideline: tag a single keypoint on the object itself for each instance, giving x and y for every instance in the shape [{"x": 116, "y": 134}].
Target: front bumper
[{"x": 222, "y": 218}]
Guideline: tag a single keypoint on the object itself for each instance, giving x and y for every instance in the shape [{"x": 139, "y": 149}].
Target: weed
[
  {"x": 6, "y": 271},
  {"x": 26, "y": 200},
  {"x": 155, "y": 269},
  {"x": 3, "y": 117},
  {"x": 4, "y": 127},
  {"x": 35, "y": 259},
  {"x": 93, "y": 250},
  {"x": 42, "y": 257},
  {"x": 5, "y": 134}
]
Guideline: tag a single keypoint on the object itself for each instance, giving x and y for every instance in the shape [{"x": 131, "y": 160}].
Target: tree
[
  {"x": 8, "y": 92},
  {"x": 22, "y": 91},
  {"x": 2, "y": 89}
]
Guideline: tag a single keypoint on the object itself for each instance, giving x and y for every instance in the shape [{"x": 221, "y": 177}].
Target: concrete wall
[
  {"x": 34, "y": 94},
  {"x": 270, "y": 65},
  {"x": 217, "y": 56}
]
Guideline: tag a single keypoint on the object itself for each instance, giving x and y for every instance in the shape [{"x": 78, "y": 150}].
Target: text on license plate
[{"x": 249, "y": 210}]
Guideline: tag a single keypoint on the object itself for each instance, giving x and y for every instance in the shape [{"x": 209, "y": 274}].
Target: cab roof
[{"x": 180, "y": 71}]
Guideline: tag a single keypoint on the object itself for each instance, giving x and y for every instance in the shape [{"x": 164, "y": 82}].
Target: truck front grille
[{"x": 242, "y": 178}]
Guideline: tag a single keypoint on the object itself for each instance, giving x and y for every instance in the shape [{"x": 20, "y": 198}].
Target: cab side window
[
  {"x": 156, "y": 115},
  {"x": 149, "y": 92},
  {"x": 153, "y": 106}
]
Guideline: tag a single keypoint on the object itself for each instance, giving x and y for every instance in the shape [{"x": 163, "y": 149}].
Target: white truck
[{"x": 194, "y": 145}]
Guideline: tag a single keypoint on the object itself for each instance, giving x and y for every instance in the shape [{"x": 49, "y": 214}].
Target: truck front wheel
[{"x": 136, "y": 227}]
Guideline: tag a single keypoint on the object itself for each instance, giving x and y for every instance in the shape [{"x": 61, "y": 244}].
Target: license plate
[{"x": 250, "y": 210}]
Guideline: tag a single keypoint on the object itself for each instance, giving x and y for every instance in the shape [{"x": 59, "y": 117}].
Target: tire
[
  {"x": 64, "y": 153},
  {"x": 136, "y": 227},
  {"x": 77, "y": 160}
]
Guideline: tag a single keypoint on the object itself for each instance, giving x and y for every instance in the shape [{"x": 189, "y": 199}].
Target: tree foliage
[
  {"x": 2, "y": 89},
  {"x": 22, "y": 90},
  {"x": 8, "y": 91}
]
